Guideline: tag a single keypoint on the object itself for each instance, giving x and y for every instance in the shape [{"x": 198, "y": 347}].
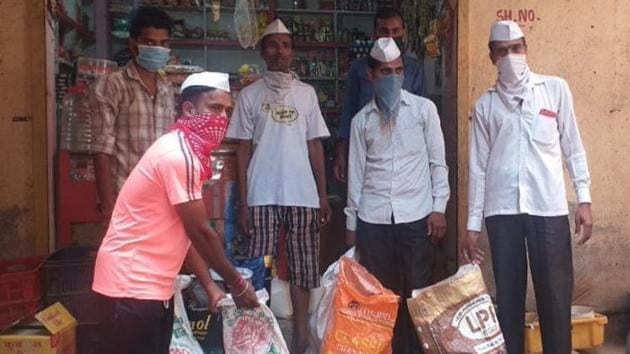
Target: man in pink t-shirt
[{"x": 158, "y": 215}]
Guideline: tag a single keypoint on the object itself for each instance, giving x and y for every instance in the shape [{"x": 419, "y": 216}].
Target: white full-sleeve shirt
[
  {"x": 517, "y": 153},
  {"x": 396, "y": 167}
]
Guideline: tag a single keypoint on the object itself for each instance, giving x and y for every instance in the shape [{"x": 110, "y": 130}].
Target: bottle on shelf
[
  {"x": 76, "y": 126},
  {"x": 314, "y": 68}
]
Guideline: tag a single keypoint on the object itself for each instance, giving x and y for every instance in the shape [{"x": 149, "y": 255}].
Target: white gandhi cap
[
  {"x": 385, "y": 50},
  {"x": 276, "y": 27},
  {"x": 505, "y": 31},
  {"x": 216, "y": 80}
]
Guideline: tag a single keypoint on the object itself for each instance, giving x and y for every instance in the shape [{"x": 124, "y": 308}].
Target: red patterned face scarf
[{"x": 204, "y": 132}]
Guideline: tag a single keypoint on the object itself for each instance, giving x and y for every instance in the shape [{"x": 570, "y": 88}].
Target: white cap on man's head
[
  {"x": 216, "y": 80},
  {"x": 505, "y": 31},
  {"x": 276, "y": 27},
  {"x": 385, "y": 50}
]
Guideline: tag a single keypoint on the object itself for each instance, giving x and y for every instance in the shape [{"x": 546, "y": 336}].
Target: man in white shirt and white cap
[
  {"x": 397, "y": 186},
  {"x": 158, "y": 215},
  {"x": 521, "y": 131},
  {"x": 281, "y": 172}
]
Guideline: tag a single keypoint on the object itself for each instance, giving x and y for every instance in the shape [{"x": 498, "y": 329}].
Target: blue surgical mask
[
  {"x": 152, "y": 58},
  {"x": 387, "y": 94}
]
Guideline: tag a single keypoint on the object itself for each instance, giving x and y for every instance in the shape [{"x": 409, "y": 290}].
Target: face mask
[
  {"x": 277, "y": 79},
  {"x": 387, "y": 94},
  {"x": 152, "y": 58},
  {"x": 513, "y": 69},
  {"x": 204, "y": 133}
]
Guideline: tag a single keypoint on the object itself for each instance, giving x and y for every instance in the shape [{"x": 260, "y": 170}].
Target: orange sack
[{"x": 363, "y": 313}]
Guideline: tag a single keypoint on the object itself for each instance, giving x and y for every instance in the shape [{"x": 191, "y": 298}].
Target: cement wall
[
  {"x": 587, "y": 43},
  {"x": 23, "y": 130}
]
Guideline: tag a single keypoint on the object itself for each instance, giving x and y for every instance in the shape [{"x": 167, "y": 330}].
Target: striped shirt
[
  {"x": 146, "y": 242},
  {"x": 126, "y": 119}
]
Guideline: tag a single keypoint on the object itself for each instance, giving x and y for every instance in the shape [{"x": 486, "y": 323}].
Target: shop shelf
[
  {"x": 69, "y": 271},
  {"x": 231, "y": 9},
  {"x": 316, "y": 45},
  {"x": 356, "y": 13},
  {"x": 65, "y": 62},
  {"x": 182, "y": 8},
  {"x": 305, "y": 11},
  {"x": 229, "y": 43},
  {"x": 326, "y": 12},
  {"x": 70, "y": 23}
]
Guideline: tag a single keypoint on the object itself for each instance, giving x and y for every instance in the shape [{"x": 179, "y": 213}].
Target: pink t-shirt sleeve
[{"x": 179, "y": 172}]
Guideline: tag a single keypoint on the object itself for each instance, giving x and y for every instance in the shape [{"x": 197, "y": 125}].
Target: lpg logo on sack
[{"x": 477, "y": 319}]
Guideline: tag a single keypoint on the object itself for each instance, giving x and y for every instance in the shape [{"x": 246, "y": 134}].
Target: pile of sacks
[{"x": 356, "y": 314}]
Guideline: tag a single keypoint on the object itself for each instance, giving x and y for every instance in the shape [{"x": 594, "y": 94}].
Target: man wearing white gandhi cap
[
  {"x": 281, "y": 173},
  {"x": 398, "y": 185},
  {"x": 522, "y": 129},
  {"x": 158, "y": 221}
]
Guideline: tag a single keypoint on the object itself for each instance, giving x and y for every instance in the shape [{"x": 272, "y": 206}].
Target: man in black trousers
[{"x": 522, "y": 130}]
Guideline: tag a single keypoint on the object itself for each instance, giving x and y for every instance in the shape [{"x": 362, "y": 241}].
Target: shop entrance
[
  {"x": 432, "y": 32},
  {"x": 328, "y": 35}
]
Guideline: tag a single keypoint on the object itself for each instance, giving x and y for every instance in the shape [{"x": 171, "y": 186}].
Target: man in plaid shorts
[{"x": 281, "y": 170}]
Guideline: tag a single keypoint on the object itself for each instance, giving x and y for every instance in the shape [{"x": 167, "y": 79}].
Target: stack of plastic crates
[{"x": 20, "y": 289}]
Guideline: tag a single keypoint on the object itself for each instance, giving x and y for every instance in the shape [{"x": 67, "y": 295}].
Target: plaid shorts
[{"x": 301, "y": 226}]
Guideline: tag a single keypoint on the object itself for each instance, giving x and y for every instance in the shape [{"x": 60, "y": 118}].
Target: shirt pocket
[
  {"x": 412, "y": 134},
  {"x": 545, "y": 128}
]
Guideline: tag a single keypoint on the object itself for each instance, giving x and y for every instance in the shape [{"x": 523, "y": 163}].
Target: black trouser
[
  {"x": 399, "y": 256},
  {"x": 547, "y": 241},
  {"x": 131, "y": 326}
]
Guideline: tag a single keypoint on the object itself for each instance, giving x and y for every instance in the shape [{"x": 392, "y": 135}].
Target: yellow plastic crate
[{"x": 585, "y": 333}]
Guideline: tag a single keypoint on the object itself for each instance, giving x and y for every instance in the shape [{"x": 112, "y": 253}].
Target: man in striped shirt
[
  {"x": 133, "y": 107},
  {"x": 159, "y": 214}
]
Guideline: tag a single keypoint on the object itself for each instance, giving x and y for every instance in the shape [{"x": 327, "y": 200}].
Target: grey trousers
[{"x": 547, "y": 242}]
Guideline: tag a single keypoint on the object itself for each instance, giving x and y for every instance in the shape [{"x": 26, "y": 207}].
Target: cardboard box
[{"x": 52, "y": 331}]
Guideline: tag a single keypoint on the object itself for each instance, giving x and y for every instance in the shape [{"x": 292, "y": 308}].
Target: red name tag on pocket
[{"x": 547, "y": 113}]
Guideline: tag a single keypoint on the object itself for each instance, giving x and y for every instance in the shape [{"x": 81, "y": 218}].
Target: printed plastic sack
[
  {"x": 363, "y": 313},
  {"x": 251, "y": 331},
  {"x": 456, "y": 315},
  {"x": 182, "y": 339},
  {"x": 318, "y": 321}
]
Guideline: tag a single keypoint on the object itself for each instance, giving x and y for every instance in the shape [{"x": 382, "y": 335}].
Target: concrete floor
[
  {"x": 286, "y": 326},
  {"x": 607, "y": 349}
]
